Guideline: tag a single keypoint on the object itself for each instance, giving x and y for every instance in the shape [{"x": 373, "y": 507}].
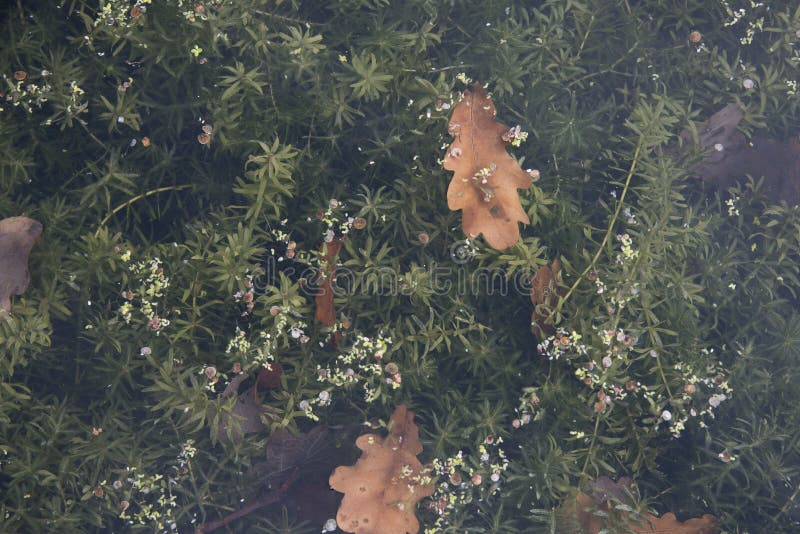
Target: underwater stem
[
  {"x": 591, "y": 446},
  {"x": 609, "y": 231},
  {"x": 138, "y": 198},
  {"x": 269, "y": 498},
  {"x": 789, "y": 502}
]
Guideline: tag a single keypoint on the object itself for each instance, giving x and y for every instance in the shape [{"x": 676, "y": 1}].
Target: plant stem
[
  {"x": 591, "y": 446},
  {"x": 269, "y": 498},
  {"x": 138, "y": 198},
  {"x": 609, "y": 231}
]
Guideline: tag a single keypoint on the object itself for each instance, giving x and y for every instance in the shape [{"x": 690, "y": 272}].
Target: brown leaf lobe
[{"x": 17, "y": 237}]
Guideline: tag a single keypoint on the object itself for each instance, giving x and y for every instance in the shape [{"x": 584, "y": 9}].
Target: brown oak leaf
[
  {"x": 484, "y": 185},
  {"x": 591, "y": 512},
  {"x": 245, "y": 414},
  {"x": 383, "y": 487},
  {"x": 286, "y": 451},
  {"x": 325, "y": 311},
  {"x": 17, "y": 237},
  {"x": 729, "y": 155}
]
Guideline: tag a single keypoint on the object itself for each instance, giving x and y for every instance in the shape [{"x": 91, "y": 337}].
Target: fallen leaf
[
  {"x": 544, "y": 296},
  {"x": 484, "y": 185},
  {"x": 270, "y": 378},
  {"x": 381, "y": 490},
  {"x": 604, "y": 489},
  {"x": 729, "y": 155},
  {"x": 286, "y": 451},
  {"x": 245, "y": 415},
  {"x": 292, "y": 476},
  {"x": 325, "y": 312},
  {"x": 314, "y": 501},
  {"x": 17, "y": 237},
  {"x": 591, "y": 512}
]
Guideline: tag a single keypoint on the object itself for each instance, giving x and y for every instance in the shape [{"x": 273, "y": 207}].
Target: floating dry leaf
[
  {"x": 591, "y": 512},
  {"x": 286, "y": 451},
  {"x": 729, "y": 155},
  {"x": 17, "y": 237},
  {"x": 245, "y": 415},
  {"x": 544, "y": 296},
  {"x": 325, "y": 312},
  {"x": 270, "y": 378},
  {"x": 381, "y": 490},
  {"x": 486, "y": 177}
]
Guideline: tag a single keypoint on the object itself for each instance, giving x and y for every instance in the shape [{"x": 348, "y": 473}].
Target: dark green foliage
[{"x": 188, "y": 163}]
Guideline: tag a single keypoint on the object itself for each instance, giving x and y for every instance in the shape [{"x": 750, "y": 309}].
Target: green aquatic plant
[{"x": 189, "y": 160}]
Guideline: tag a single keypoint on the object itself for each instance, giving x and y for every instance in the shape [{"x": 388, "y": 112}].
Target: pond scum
[{"x": 249, "y": 284}]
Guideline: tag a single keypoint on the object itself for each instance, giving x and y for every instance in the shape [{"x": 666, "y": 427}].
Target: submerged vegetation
[{"x": 248, "y": 260}]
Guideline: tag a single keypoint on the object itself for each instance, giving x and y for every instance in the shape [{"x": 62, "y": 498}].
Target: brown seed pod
[
  {"x": 695, "y": 37},
  {"x": 20, "y": 75},
  {"x": 203, "y": 138}
]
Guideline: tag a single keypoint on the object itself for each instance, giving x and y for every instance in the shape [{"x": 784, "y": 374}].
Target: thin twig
[
  {"x": 609, "y": 231},
  {"x": 138, "y": 198},
  {"x": 269, "y": 498}
]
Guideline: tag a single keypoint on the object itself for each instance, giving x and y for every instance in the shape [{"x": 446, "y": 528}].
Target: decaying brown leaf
[
  {"x": 270, "y": 378},
  {"x": 544, "y": 296},
  {"x": 246, "y": 411},
  {"x": 486, "y": 177},
  {"x": 591, "y": 513},
  {"x": 286, "y": 451},
  {"x": 728, "y": 155},
  {"x": 291, "y": 476},
  {"x": 325, "y": 312},
  {"x": 17, "y": 237},
  {"x": 383, "y": 487}
]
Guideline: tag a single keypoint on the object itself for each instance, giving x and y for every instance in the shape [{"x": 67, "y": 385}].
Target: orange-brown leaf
[
  {"x": 489, "y": 201},
  {"x": 17, "y": 236},
  {"x": 590, "y": 523},
  {"x": 381, "y": 490},
  {"x": 270, "y": 378},
  {"x": 544, "y": 296},
  {"x": 325, "y": 311}
]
